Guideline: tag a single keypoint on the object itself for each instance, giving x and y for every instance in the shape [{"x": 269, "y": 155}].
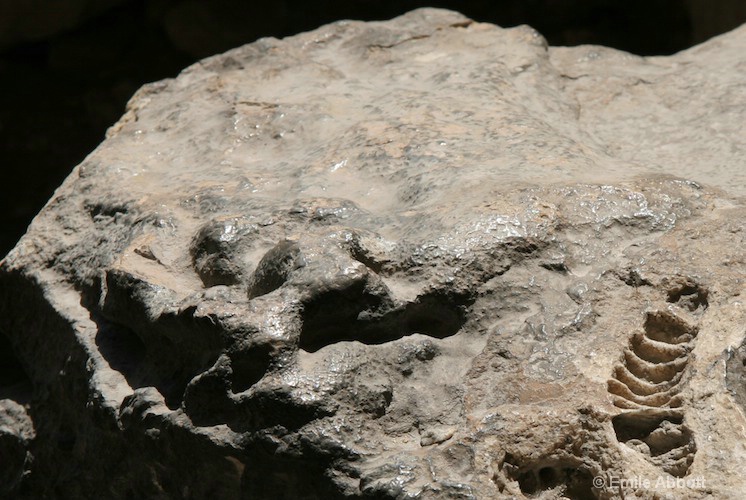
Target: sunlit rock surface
[{"x": 422, "y": 258}]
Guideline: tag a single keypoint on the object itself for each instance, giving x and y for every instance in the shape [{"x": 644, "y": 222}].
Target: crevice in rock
[
  {"x": 690, "y": 296},
  {"x": 436, "y": 315},
  {"x": 99, "y": 211},
  {"x": 628, "y": 426},
  {"x": 126, "y": 353},
  {"x": 663, "y": 437},
  {"x": 249, "y": 367},
  {"x": 570, "y": 480},
  {"x": 664, "y": 327},
  {"x": 351, "y": 314},
  {"x": 633, "y": 277},
  {"x": 164, "y": 349},
  {"x": 122, "y": 349},
  {"x": 15, "y": 383},
  {"x": 735, "y": 373},
  {"x": 399, "y": 42},
  {"x": 274, "y": 407}
]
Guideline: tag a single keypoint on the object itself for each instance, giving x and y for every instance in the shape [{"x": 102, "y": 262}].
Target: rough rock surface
[{"x": 422, "y": 258}]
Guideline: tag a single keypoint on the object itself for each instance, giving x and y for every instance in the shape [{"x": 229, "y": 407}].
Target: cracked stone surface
[{"x": 420, "y": 258}]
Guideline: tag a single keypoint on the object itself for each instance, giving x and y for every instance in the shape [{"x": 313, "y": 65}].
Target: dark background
[{"x": 68, "y": 67}]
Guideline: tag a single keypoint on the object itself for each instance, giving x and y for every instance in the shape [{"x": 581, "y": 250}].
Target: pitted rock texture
[{"x": 421, "y": 258}]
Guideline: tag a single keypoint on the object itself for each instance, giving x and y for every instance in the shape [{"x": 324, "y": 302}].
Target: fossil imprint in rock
[{"x": 647, "y": 384}]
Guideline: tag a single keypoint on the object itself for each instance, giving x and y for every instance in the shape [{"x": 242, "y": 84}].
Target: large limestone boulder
[{"x": 421, "y": 258}]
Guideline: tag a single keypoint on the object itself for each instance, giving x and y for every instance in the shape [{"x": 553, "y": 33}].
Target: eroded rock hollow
[{"x": 421, "y": 258}]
